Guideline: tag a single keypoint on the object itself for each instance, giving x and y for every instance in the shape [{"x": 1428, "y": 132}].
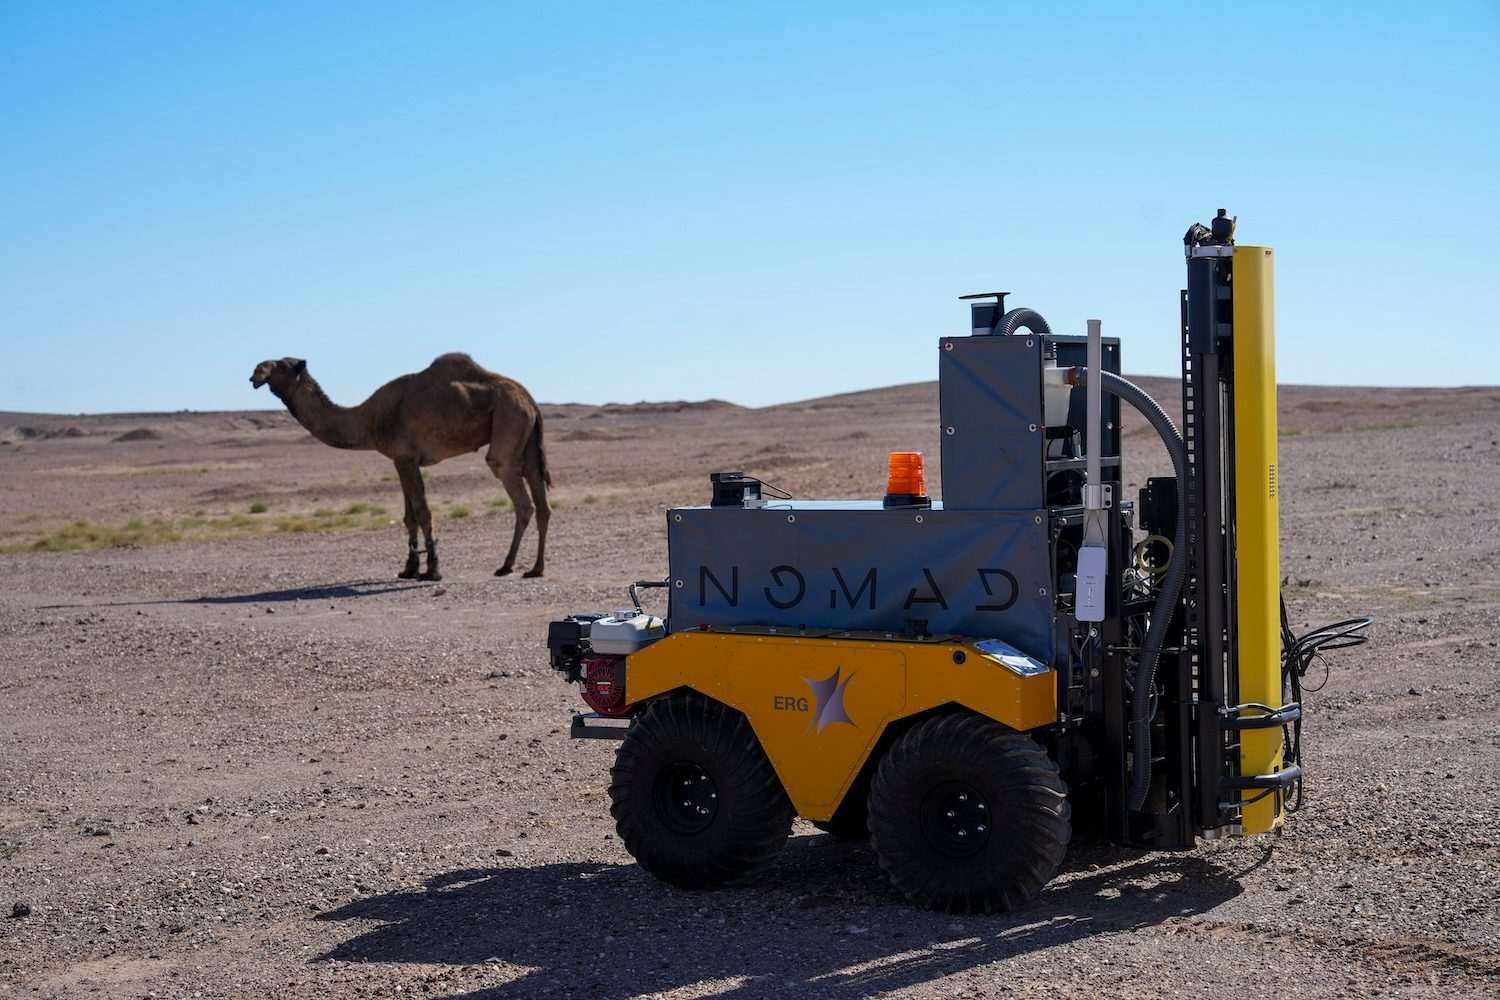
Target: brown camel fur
[{"x": 451, "y": 407}]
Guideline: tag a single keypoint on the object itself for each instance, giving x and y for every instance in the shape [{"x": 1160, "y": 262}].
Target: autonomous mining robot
[{"x": 962, "y": 680}]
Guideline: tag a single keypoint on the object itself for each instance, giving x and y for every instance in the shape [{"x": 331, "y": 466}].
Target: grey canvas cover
[{"x": 852, "y": 565}]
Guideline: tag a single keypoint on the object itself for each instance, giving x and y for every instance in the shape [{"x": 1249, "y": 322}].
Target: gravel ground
[{"x": 264, "y": 766}]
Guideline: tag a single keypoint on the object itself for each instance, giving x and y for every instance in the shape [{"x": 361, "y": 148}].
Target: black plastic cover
[
  {"x": 566, "y": 640},
  {"x": 732, "y": 489}
]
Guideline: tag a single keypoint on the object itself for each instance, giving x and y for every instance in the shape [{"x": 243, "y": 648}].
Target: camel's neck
[{"x": 324, "y": 419}]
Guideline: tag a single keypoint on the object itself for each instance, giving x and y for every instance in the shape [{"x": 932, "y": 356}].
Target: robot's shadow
[{"x": 822, "y": 921}]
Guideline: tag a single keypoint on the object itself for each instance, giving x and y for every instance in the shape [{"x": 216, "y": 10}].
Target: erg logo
[{"x": 827, "y": 703}]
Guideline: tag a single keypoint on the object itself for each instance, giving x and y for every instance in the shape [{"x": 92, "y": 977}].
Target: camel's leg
[
  {"x": 543, "y": 515},
  {"x": 412, "y": 565},
  {"x": 416, "y": 491},
  {"x": 515, "y": 488}
]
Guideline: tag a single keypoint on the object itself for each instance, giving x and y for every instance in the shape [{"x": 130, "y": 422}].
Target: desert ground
[{"x": 241, "y": 758}]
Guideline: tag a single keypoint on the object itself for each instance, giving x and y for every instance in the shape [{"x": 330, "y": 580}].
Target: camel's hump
[{"x": 457, "y": 364}]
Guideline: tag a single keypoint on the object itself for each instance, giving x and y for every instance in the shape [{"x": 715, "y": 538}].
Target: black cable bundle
[{"x": 1298, "y": 654}]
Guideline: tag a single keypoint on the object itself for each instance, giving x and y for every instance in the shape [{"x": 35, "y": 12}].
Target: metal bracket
[
  {"x": 1287, "y": 776},
  {"x": 592, "y": 726},
  {"x": 1271, "y": 718},
  {"x": 1098, "y": 496}
]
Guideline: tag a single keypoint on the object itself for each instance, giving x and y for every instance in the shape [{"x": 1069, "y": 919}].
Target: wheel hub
[
  {"x": 687, "y": 799},
  {"x": 956, "y": 819}
]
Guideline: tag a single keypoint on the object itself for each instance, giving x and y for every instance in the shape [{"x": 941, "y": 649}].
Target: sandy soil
[{"x": 263, "y": 766}]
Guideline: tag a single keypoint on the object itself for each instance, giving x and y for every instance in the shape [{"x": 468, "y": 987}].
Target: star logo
[{"x": 828, "y": 701}]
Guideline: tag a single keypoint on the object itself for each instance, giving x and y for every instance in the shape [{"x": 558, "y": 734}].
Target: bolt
[
  {"x": 951, "y": 814},
  {"x": 963, "y": 833},
  {"x": 981, "y": 828},
  {"x": 963, "y": 796},
  {"x": 980, "y": 807}
]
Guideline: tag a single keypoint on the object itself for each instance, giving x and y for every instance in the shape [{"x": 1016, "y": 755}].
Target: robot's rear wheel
[{"x": 968, "y": 816}]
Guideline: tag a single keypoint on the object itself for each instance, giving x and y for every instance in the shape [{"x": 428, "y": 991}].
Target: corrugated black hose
[
  {"x": 1166, "y": 599},
  {"x": 1015, "y": 319}
]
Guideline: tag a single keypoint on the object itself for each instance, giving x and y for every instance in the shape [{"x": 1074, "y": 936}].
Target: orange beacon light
[{"x": 906, "y": 485}]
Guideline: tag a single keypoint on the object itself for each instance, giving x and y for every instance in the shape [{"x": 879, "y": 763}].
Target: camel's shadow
[
  {"x": 821, "y": 922},
  {"x": 353, "y": 589},
  {"x": 325, "y": 592}
]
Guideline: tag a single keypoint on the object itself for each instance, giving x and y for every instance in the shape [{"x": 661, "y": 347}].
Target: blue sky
[{"x": 756, "y": 202}]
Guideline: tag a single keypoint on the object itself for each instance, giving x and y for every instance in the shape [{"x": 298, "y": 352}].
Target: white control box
[{"x": 1093, "y": 567}]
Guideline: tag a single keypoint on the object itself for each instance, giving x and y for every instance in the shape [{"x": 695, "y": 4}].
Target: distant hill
[{"x": 1302, "y": 409}]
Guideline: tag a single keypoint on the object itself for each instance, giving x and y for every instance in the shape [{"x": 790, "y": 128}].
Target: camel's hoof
[
  {"x": 503, "y": 571},
  {"x": 431, "y": 575},
  {"x": 532, "y": 574},
  {"x": 407, "y": 574}
]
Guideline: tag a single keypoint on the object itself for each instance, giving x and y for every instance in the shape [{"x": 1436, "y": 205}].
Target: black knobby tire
[
  {"x": 968, "y": 816},
  {"x": 694, "y": 798}
]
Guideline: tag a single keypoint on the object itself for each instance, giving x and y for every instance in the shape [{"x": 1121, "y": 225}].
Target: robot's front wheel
[{"x": 694, "y": 798}]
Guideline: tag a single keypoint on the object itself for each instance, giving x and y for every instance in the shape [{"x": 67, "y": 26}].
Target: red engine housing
[{"x": 604, "y": 683}]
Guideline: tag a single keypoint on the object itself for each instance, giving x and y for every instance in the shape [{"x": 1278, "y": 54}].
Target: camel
[{"x": 451, "y": 407}]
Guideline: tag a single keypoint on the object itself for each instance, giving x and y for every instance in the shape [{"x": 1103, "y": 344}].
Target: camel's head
[{"x": 280, "y": 375}]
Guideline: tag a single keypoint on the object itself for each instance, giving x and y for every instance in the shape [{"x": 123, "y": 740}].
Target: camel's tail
[{"x": 541, "y": 453}]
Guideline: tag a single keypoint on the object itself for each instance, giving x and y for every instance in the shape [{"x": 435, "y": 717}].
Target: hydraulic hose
[
  {"x": 1030, "y": 319},
  {"x": 1171, "y": 586}
]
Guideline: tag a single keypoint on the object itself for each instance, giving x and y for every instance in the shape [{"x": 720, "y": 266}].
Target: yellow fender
[{"x": 819, "y": 701}]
